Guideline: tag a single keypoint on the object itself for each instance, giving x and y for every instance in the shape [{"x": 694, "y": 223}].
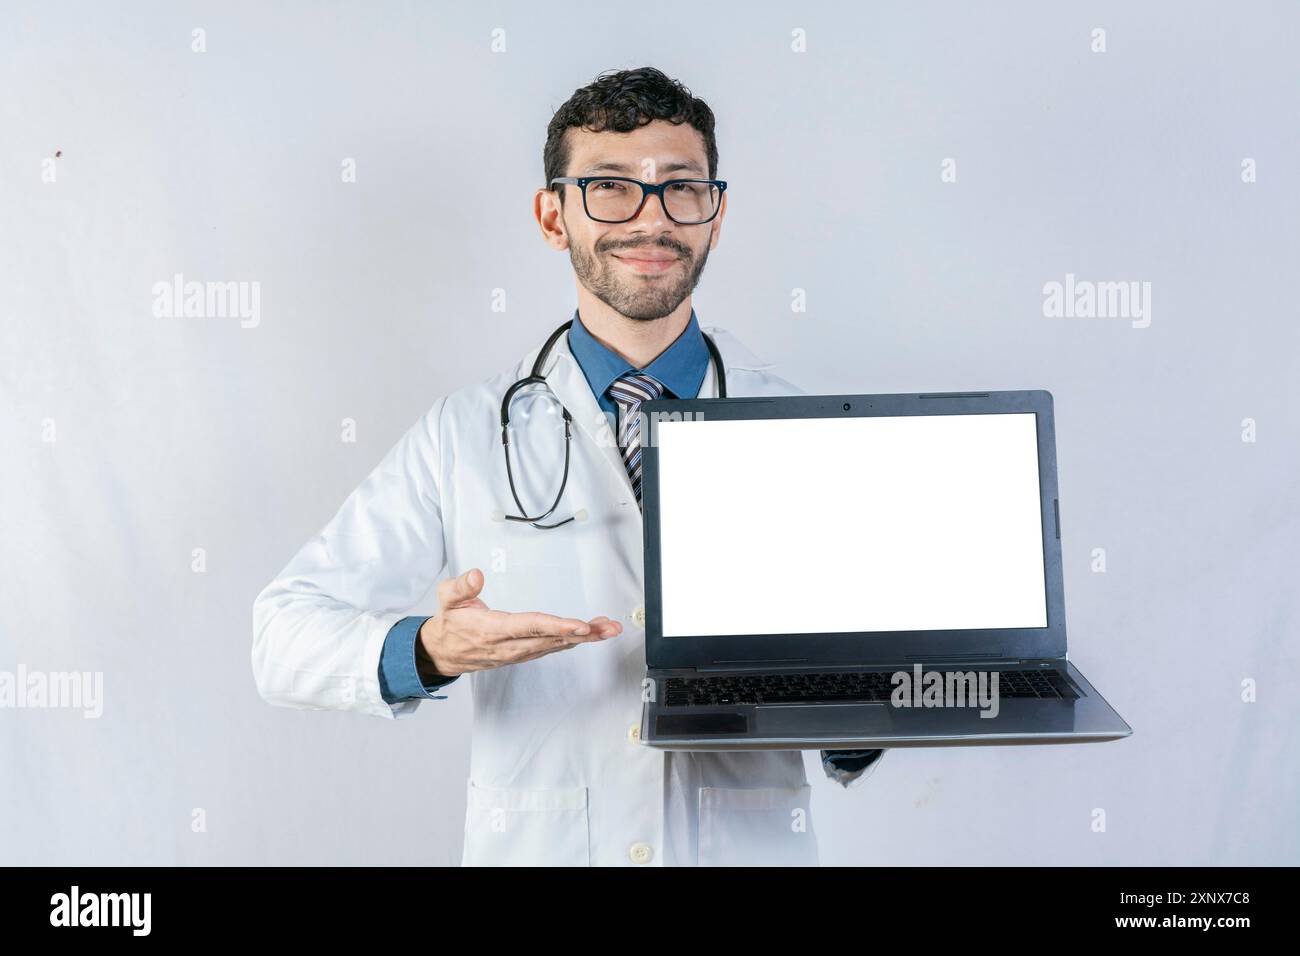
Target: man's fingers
[
  {"x": 599, "y": 629},
  {"x": 521, "y": 649},
  {"x": 536, "y": 624},
  {"x": 604, "y": 627},
  {"x": 457, "y": 591},
  {"x": 503, "y": 638},
  {"x": 503, "y": 626}
]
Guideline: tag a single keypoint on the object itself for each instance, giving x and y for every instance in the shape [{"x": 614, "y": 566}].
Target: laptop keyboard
[{"x": 837, "y": 687}]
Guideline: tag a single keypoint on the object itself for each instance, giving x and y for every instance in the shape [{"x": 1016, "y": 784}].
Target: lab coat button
[
  {"x": 634, "y": 733},
  {"x": 638, "y": 616},
  {"x": 640, "y": 853}
]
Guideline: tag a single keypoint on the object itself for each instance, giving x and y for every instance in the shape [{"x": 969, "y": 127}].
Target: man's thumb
[{"x": 463, "y": 588}]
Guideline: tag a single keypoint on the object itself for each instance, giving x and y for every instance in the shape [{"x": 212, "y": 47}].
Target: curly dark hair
[{"x": 619, "y": 102}]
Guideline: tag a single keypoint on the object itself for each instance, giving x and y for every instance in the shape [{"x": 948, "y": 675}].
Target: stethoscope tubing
[{"x": 535, "y": 377}]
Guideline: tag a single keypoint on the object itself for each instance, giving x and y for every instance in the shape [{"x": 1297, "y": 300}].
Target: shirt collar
[{"x": 679, "y": 368}]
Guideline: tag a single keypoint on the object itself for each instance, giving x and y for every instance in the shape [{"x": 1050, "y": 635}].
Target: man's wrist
[{"x": 424, "y": 665}]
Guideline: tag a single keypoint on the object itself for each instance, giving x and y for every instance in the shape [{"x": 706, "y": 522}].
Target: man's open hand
[{"x": 466, "y": 635}]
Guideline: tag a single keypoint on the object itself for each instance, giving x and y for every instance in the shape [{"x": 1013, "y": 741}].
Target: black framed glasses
[{"x": 614, "y": 199}]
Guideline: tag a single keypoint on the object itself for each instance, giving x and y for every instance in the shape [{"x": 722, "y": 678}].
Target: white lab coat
[{"x": 557, "y": 772}]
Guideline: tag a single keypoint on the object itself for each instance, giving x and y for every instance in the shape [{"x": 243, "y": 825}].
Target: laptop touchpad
[{"x": 701, "y": 724}]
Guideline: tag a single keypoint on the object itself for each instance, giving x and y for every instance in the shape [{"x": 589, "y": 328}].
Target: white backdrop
[{"x": 158, "y": 471}]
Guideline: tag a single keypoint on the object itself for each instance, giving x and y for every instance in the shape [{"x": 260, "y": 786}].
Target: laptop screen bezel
[{"x": 851, "y": 648}]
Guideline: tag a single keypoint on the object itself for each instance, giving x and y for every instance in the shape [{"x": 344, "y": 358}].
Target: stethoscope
[{"x": 537, "y": 378}]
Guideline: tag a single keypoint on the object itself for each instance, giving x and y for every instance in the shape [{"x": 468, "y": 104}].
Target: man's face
[{"x": 644, "y": 268}]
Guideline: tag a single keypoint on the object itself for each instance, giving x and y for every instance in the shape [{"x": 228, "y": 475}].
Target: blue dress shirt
[{"x": 680, "y": 368}]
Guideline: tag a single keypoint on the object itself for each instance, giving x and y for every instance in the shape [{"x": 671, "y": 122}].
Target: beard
[{"x": 638, "y": 297}]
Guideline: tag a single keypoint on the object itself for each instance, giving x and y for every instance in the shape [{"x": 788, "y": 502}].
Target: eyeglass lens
[{"x": 614, "y": 200}]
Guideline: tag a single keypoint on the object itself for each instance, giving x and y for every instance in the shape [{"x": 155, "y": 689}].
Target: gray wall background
[{"x": 176, "y": 434}]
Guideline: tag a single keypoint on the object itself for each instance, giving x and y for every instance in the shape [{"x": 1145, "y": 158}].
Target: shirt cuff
[{"x": 399, "y": 678}]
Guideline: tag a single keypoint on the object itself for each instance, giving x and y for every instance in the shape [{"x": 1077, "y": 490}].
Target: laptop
[{"x": 857, "y": 571}]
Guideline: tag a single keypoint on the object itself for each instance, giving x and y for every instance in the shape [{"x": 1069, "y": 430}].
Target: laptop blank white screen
[{"x": 814, "y": 525}]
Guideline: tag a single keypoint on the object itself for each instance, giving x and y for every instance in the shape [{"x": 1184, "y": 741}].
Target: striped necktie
[{"x": 628, "y": 392}]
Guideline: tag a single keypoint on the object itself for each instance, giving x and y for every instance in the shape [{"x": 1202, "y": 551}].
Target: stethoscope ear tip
[
  {"x": 498, "y": 514},
  {"x": 580, "y": 514}
]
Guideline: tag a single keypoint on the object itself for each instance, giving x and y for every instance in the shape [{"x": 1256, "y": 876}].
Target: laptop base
[{"x": 867, "y": 726}]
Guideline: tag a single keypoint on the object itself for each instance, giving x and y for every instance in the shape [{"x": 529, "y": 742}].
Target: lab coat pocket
[
  {"x": 508, "y": 827},
  {"x": 769, "y": 826}
]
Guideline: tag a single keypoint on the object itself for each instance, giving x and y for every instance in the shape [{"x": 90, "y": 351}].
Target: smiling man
[{"x": 552, "y": 637}]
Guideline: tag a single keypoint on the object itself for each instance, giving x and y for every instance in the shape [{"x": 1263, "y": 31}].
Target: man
[{"x": 558, "y": 775}]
